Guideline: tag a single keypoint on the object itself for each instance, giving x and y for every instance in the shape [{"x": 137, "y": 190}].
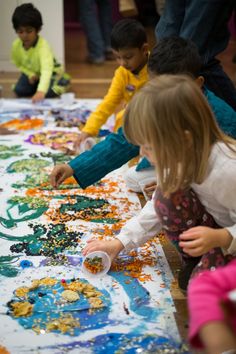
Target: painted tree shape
[
  {"x": 23, "y": 209},
  {"x": 10, "y": 151}
]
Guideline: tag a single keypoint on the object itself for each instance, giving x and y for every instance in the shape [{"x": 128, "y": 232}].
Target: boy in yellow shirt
[
  {"x": 130, "y": 47},
  {"x": 41, "y": 75}
]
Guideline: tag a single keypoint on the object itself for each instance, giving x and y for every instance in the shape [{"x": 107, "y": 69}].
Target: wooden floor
[{"x": 92, "y": 81}]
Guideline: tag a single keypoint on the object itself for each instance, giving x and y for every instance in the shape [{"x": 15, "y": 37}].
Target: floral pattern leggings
[{"x": 181, "y": 211}]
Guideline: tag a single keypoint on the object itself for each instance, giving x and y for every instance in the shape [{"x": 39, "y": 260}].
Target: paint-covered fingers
[{"x": 59, "y": 174}]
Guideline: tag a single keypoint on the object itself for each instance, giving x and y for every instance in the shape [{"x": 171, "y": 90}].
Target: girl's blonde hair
[{"x": 172, "y": 115}]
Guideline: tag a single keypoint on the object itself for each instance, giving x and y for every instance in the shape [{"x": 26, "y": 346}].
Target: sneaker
[{"x": 186, "y": 272}]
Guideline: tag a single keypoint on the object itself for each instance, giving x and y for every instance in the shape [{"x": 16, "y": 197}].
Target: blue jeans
[
  {"x": 23, "y": 88},
  {"x": 205, "y": 22},
  {"x": 96, "y": 19}
]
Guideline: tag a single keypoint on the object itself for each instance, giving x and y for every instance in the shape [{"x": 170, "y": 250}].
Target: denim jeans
[
  {"x": 205, "y": 22},
  {"x": 96, "y": 19},
  {"x": 24, "y": 89}
]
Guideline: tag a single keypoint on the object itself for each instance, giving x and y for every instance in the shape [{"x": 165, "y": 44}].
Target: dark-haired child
[
  {"x": 176, "y": 55},
  {"x": 115, "y": 150},
  {"x": 41, "y": 75},
  {"x": 130, "y": 47}
]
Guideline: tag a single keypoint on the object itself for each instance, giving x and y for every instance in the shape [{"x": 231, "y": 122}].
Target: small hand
[
  {"x": 112, "y": 247},
  {"x": 149, "y": 189},
  {"x": 33, "y": 79},
  {"x": 59, "y": 174},
  {"x": 38, "y": 96},
  {"x": 201, "y": 239},
  {"x": 80, "y": 139}
]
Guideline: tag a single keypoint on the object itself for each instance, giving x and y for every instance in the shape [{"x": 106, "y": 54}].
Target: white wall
[{"x": 53, "y": 28}]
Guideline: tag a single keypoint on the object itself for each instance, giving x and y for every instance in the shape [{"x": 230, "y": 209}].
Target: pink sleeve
[{"x": 204, "y": 295}]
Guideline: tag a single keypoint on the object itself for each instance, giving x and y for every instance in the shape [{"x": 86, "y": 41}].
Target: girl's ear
[{"x": 200, "y": 81}]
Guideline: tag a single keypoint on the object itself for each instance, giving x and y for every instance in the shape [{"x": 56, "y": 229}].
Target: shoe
[
  {"x": 96, "y": 61},
  {"x": 186, "y": 272}
]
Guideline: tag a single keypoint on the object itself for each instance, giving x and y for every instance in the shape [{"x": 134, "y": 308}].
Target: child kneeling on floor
[{"x": 41, "y": 75}]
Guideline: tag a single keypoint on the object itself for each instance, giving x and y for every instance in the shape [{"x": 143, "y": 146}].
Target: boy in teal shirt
[
  {"x": 174, "y": 55},
  {"x": 41, "y": 75}
]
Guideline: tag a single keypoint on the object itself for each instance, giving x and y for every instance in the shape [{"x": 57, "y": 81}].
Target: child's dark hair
[
  {"x": 27, "y": 15},
  {"x": 175, "y": 55},
  {"x": 128, "y": 33}
]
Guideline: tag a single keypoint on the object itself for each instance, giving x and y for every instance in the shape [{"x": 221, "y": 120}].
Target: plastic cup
[
  {"x": 68, "y": 98},
  {"x": 144, "y": 182},
  {"x": 106, "y": 263}
]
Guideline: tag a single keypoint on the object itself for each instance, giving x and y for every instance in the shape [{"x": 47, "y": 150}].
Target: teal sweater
[{"x": 115, "y": 150}]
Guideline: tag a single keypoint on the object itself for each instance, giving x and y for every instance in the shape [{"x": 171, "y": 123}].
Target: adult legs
[
  {"x": 105, "y": 20},
  {"x": 218, "y": 82},
  {"x": 90, "y": 23}
]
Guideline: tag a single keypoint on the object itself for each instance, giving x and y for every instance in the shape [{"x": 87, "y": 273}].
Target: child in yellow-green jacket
[
  {"x": 130, "y": 47},
  {"x": 41, "y": 75}
]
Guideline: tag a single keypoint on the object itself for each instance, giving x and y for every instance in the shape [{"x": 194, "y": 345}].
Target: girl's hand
[
  {"x": 201, "y": 239},
  {"x": 112, "y": 247},
  {"x": 38, "y": 96},
  {"x": 59, "y": 174},
  {"x": 149, "y": 189}
]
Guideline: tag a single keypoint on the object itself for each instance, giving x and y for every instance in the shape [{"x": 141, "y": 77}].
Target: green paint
[
  {"x": 10, "y": 151},
  {"x": 25, "y": 238},
  {"x": 32, "y": 181},
  {"x": 27, "y": 165},
  {"x": 24, "y": 205},
  {"x": 6, "y": 267},
  {"x": 83, "y": 203},
  {"x": 48, "y": 241}
]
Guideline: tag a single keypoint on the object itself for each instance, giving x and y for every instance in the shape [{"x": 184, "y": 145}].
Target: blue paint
[
  {"x": 25, "y": 264},
  {"x": 138, "y": 296},
  {"x": 127, "y": 343},
  {"x": 48, "y": 306}
]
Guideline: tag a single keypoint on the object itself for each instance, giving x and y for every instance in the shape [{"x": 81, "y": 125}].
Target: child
[
  {"x": 213, "y": 311},
  {"x": 175, "y": 55},
  {"x": 172, "y": 122},
  {"x": 41, "y": 75},
  {"x": 129, "y": 45},
  {"x": 171, "y": 55}
]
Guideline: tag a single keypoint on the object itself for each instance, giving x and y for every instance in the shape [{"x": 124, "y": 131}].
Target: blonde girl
[{"x": 195, "y": 163}]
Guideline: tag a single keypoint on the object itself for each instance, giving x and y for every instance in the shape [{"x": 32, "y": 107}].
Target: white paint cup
[
  {"x": 106, "y": 262},
  {"x": 68, "y": 98}
]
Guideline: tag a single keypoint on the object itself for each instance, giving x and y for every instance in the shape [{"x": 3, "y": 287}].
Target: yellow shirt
[{"x": 123, "y": 87}]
